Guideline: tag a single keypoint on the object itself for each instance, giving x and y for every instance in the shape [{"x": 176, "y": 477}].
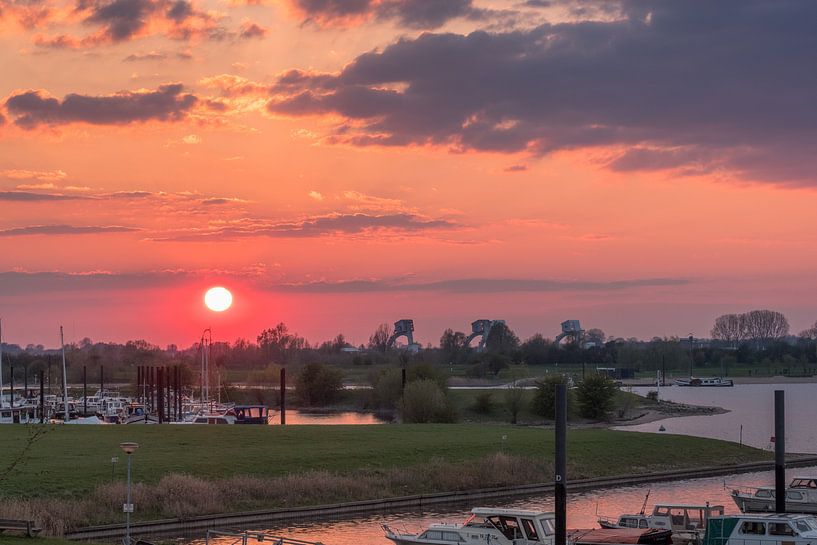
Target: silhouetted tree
[
  {"x": 501, "y": 339},
  {"x": 380, "y": 338}
]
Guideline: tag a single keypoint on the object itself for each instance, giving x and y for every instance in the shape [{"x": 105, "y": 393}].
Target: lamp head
[{"x": 129, "y": 447}]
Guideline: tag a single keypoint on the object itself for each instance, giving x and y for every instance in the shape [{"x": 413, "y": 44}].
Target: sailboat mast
[{"x": 64, "y": 378}]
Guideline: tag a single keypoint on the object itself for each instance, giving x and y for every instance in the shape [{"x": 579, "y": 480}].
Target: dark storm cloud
[
  {"x": 167, "y": 103},
  {"x": 479, "y": 285},
  {"x": 65, "y": 230},
  {"x": 426, "y": 14},
  {"x": 725, "y": 84},
  {"x": 121, "y": 19}
]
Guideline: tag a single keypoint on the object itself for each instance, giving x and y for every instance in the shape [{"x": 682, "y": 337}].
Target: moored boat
[
  {"x": 761, "y": 529},
  {"x": 485, "y": 525},
  {"x": 520, "y": 527},
  {"x": 687, "y": 522},
  {"x": 801, "y": 497},
  {"x": 710, "y": 381},
  {"x": 715, "y": 382}
]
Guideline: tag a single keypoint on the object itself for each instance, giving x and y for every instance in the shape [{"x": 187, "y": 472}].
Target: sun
[{"x": 218, "y": 299}]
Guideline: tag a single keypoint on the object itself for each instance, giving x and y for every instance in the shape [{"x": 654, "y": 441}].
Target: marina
[{"x": 584, "y": 509}]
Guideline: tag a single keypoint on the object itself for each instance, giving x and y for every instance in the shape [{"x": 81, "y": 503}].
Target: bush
[
  {"x": 319, "y": 384},
  {"x": 652, "y": 395},
  {"x": 596, "y": 395},
  {"x": 514, "y": 397},
  {"x": 424, "y": 402},
  {"x": 544, "y": 400},
  {"x": 484, "y": 403},
  {"x": 387, "y": 386}
]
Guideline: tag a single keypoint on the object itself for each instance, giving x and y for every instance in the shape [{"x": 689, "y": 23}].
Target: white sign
[
  {"x": 115, "y": 459},
  {"x": 127, "y": 508}
]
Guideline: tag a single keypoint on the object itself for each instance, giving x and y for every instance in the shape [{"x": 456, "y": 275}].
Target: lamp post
[{"x": 129, "y": 449}]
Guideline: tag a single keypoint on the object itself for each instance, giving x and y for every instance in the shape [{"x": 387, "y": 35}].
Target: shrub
[
  {"x": 387, "y": 386},
  {"x": 514, "y": 397},
  {"x": 319, "y": 384},
  {"x": 544, "y": 400},
  {"x": 424, "y": 402},
  {"x": 596, "y": 395},
  {"x": 484, "y": 403}
]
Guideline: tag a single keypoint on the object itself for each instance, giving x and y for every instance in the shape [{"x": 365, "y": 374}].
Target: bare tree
[
  {"x": 810, "y": 333},
  {"x": 764, "y": 326},
  {"x": 380, "y": 338},
  {"x": 730, "y": 328}
]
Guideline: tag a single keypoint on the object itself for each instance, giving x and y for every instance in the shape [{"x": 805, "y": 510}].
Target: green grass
[{"x": 69, "y": 461}]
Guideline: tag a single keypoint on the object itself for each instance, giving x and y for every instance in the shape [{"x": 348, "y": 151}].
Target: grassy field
[
  {"x": 64, "y": 478},
  {"x": 66, "y": 461}
]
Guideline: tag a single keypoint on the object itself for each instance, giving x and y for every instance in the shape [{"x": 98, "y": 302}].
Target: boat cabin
[
  {"x": 485, "y": 525},
  {"x": 19, "y": 415},
  {"x": 771, "y": 529},
  {"x": 251, "y": 414},
  {"x": 801, "y": 497},
  {"x": 211, "y": 419}
]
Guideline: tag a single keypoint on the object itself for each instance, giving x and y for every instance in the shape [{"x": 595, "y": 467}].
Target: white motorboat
[
  {"x": 485, "y": 525},
  {"x": 20, "y": 415},
  {"x": 767, "y": 529},
  {"x": 687, "y": 522},
  {"x": 716, "y": 382},
  {"x": 518, "y": 527},
  {"x": 801, "y": 497}
]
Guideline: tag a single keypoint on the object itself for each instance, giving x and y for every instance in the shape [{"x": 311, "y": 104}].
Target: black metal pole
[
  {"x": 561, "y": 465},
  {"x": 159, "y": 395},
  {"x": 403, "y": 379},
  {"x": 283, "y": 396},
  {"x": 42, "y": 397},
  {"x": 102, "y": 381},
  {"x": 85, "y": 390},
  {"x": 11, "y": 380},
  {"x": 780, "y": 450},
  {"x": 25, "y": 381}
]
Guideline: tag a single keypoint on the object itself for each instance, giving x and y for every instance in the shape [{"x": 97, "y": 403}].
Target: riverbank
[{"x": 64, "y": 480}]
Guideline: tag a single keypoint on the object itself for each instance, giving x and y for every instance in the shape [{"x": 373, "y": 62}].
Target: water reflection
[
  {"x": 295, "y": 417},
  {"x": 751, "y": 414},
  {"x": 583, "y": 509}
]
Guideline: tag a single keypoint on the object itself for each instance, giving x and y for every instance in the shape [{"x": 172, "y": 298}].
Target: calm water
[
  {"x": 750, "y": 406},
  {"x": 582, "y": 509},
  {"x": 295, "y": 417}
]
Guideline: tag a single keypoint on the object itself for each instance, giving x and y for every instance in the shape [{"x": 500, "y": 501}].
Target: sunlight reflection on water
[{"x": 582, "y": 509}]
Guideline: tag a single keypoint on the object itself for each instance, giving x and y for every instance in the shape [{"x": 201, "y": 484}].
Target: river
[{"x": 751, "y": 413}]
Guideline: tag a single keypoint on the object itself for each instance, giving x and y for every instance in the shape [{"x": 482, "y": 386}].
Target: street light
[{"x": 129, "y": 448}]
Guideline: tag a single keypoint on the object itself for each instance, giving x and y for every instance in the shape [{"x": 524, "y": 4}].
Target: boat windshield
[
  {"x": 509, "y": 526},
  {"x": 806, "y": 525},
  {"x": 803, "y": 483}
]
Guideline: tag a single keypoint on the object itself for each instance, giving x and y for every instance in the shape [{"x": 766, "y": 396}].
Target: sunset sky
[{"x": 642, "y": 166}]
